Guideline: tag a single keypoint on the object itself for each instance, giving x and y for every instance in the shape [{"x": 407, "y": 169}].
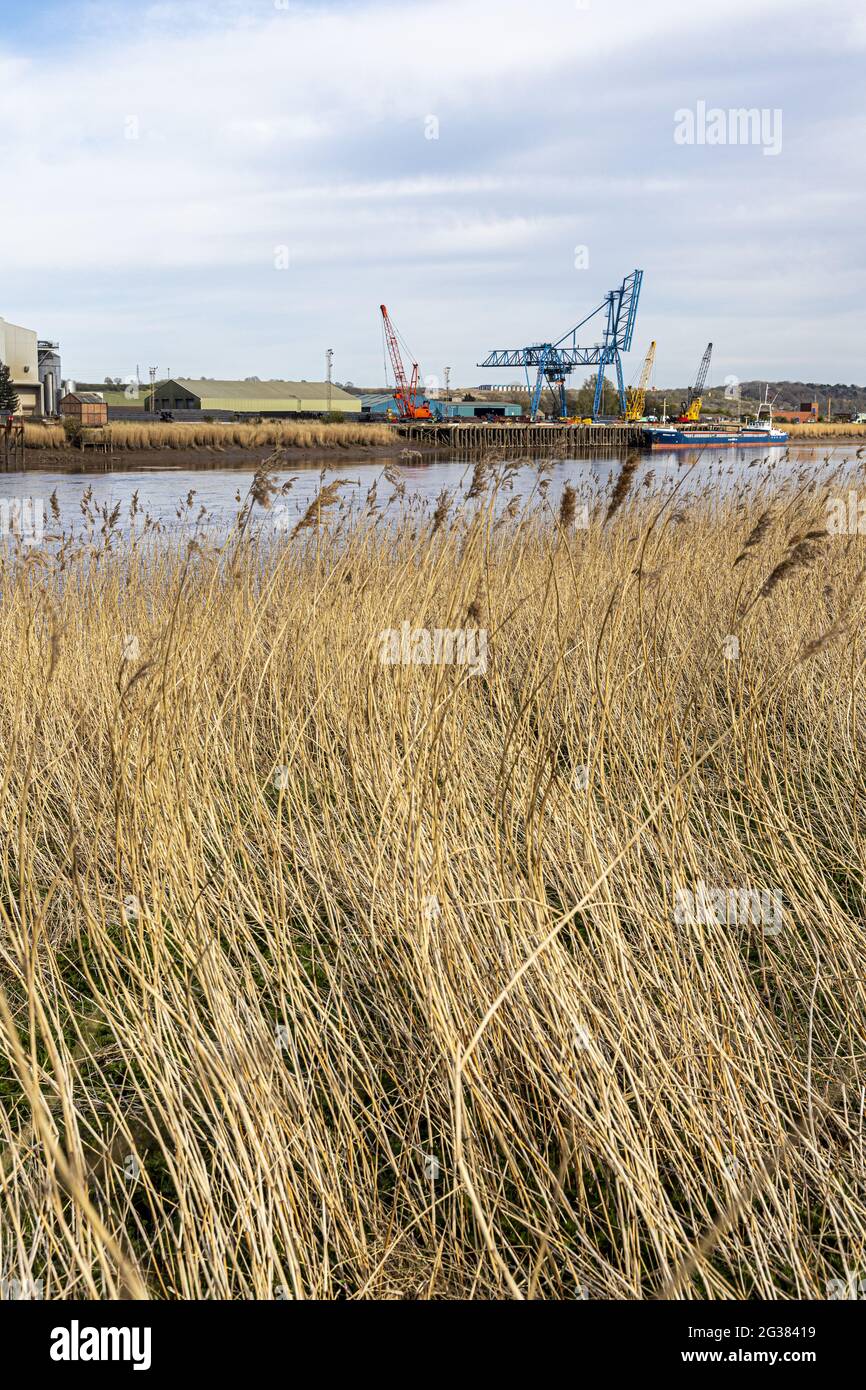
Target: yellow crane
[
  {"x": 694, "y": 400},
  {"x": 636, "y": 397}
]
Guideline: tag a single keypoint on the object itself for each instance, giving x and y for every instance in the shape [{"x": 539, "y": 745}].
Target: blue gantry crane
[{"x": 556, "y": 361}]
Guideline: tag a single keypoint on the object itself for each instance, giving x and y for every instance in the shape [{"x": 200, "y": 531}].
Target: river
[{"x": 181, "y": 499}]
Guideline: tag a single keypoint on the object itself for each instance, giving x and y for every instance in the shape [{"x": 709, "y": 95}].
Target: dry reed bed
[
  {"x": 288, "y": 434},
  {"x": 301, "y": 434},
  {"x": 327, "y": 978},
  {"x": 837, "y": 429}
]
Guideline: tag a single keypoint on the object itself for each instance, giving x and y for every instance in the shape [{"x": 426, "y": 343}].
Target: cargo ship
[{"x": 688, "y": 436}]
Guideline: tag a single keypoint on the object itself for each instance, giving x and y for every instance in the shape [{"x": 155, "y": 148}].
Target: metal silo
[{"x": 49, "y": 375}]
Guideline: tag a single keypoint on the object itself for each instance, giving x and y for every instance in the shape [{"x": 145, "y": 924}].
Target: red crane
[{"x": 405, "y": 392}]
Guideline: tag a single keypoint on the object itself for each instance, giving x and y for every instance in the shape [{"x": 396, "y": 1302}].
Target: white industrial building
[{"x": 20, "y": 352}]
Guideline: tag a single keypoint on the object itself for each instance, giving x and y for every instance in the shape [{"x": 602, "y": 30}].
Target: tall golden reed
[
  {"x": 327, "y": 978},
  {"x": 300, "y": 434}
]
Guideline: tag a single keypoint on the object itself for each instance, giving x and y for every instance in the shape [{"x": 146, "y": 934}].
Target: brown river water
[{"x": 163, "y": 492}]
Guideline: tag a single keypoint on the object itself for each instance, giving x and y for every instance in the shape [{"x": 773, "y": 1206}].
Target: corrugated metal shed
[
  {"x": 378, "y": 403},
  {"x": 251, "y": 397},
  {"x": 381, "y": 402},
  {"x": 474, "y": 410}
]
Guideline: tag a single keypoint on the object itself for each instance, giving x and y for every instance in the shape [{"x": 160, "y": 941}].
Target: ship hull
[{"x": 711, "y": 439}]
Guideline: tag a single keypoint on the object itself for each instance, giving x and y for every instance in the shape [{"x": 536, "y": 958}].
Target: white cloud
[{"x": 255, "y": 127}]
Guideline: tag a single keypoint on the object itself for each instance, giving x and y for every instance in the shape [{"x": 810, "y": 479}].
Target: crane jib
[
  {"x": 554, "y": 361},
  {"x": 406, "y": 390}
]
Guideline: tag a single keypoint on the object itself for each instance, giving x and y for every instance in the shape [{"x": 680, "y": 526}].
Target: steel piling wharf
[{"x": 520, "y": 437}]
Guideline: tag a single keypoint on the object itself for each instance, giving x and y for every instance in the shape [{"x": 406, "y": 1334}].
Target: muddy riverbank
[
  {"x": 203, "y": 459},
  {"x": 135, "y": 460}
]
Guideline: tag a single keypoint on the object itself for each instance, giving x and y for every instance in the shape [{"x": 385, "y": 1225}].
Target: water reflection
[{"x": 180, "y": 499}]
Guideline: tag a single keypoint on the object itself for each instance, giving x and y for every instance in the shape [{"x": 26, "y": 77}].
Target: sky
[{"x": 228, "y": 189}]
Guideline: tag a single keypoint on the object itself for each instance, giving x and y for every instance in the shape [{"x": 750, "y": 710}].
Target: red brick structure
[{"x": 806, "y": 415}]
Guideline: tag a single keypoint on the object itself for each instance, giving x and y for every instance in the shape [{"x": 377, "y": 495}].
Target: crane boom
[
  {"x": 556, "y": 361},
  {"x": 406, "y": 392},
  {"x": 636, "y": 401},
  {"x": 694, "y": 400}
]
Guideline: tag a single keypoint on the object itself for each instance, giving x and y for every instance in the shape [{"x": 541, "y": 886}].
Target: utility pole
[
  {"x": 153, "y": 372},
  {"x": 329, "y": 360},
  {"x": 447, "y": 383}
]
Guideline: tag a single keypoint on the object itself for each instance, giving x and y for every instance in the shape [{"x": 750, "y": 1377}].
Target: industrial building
[
  {"x": 19, "y": 352},
  {"x": 251, "y": 397},
  {"x": 382, "y": 403},
  {"x": 807, "y": 414},
  {"x": 474, "y": 410}
]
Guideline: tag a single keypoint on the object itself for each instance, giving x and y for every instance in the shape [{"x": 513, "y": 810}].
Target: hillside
[
  {"x": 785, "y": 395},
  {"x": 788, "y": 395},
  {"x": 844, "y": 400}
]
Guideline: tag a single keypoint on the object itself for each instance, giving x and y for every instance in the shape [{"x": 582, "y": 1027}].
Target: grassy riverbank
[
  {"x": 294, "y": 436},
  {"x": 331, "y": 978},
  {"x": 835, "y": 430},
  {"x": 290, "y": 434}
]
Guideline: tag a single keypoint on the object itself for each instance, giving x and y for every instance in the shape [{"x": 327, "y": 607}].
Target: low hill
[{"x": 790, "y": 395}]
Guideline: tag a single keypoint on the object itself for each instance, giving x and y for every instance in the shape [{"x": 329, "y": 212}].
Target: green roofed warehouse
[{"x": 252, "y": 397}]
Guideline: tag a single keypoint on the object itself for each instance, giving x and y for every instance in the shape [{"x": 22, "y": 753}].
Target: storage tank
[{"x": 49, "y": 375}]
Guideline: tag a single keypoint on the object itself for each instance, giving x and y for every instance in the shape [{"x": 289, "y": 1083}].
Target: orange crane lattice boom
[{"x": 405, "y": 392}]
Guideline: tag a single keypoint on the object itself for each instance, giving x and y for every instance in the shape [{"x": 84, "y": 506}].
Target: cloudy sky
[{"x": 229, "y": 188}]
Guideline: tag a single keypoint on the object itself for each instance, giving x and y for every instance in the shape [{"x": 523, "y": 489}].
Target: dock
[
  {"x": 520, "y": 437},
  {"x": 12, "y": 446}
]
